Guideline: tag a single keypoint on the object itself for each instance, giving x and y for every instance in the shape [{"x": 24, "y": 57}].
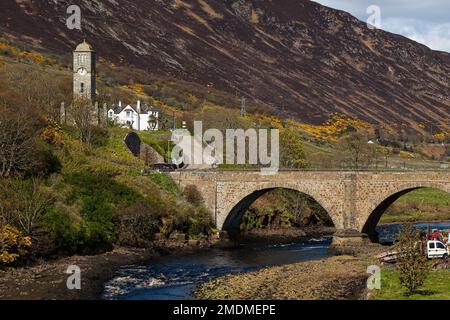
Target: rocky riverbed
[{"x": 341, "y": 277}]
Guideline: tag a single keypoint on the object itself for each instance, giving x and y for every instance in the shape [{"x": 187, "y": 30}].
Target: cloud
[{"x": 426, "y": 22}]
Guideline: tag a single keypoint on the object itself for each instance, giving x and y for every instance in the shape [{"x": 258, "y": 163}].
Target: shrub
[
  {"x": 199, "y": 223},
  {"x": 99, "y": 195},
  {"x": 52, "y": 134},
  {"x": 22, "y": 203},
  {"x": 192, "y": 195},
  {"x": 413, "y": 266},
  {"x": 136, "y": 225},
  {"x": 13, "y": 245},
  {"x": 64, "y": 231}
]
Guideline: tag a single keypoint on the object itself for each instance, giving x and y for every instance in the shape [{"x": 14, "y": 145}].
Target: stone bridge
[{"x": 355, "y": 201}]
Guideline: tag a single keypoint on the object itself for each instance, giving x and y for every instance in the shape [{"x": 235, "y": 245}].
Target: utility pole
[
  {"x": 174, "y": 122},
  {"x": 243, "y": 107}
]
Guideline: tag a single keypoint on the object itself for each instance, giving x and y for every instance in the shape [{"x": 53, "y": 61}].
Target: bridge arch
[
  {"x": 236, "y": 209},
  {"x": 382, "y": 202}
]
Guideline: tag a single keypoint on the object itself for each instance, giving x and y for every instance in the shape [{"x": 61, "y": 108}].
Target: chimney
[
  {"x": 139, "y": 107},
  {"x": 120, "y": 104}
]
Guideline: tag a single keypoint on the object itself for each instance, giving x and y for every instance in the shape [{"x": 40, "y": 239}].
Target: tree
[
  {"x": 82, "y": 115},
  {"x": 39, "y": 88},
  {"x": 19, "y": 151},
  {"x": 354, "y": 151},
  {"x": 413, "y": 266},
  {"x": 22, "y": 203},
  {"x": 292, "y": 154}
]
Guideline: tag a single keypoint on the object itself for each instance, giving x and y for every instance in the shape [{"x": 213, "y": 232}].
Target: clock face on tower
[{"x": 82, "y": 71}]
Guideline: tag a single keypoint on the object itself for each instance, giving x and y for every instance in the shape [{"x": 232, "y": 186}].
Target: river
[{"x": 174, "y": 277}]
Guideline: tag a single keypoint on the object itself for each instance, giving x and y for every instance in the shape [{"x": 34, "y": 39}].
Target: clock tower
[{"x": 84, "y": 72}]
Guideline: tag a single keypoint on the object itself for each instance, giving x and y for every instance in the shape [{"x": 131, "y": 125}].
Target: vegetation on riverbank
[
  {"x": 95, "y": 199},
  {"x": 419, "y": 205},
  {"x": 284, "y": 209},
  {"x": 436, "y": 287}
]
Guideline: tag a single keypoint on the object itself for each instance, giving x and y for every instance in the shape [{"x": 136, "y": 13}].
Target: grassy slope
[
  {"x": 419, "y": 205},
  {"x": 115, "y": 160},
  {"x": 436, "y": 287}
]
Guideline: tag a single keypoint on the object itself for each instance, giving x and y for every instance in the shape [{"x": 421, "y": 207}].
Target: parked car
[
  {"x": 164, "y": 167},
  {"x": 436, "y": 249}
]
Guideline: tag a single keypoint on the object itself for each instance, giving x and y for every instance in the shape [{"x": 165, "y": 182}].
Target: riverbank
[
  {"x": 284, "y": 235},
  {"x": 47, "y": 279},
  {"x": 414, "y": 222},
  {"x": 435, "y": 287},
  {"x": 341, "y": 277}
]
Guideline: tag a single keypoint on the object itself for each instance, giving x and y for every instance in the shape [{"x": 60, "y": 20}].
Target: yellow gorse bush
[
  {"x": 440, "y": 136},
  {"x": 12, "y": 244},
  {"x": 53, "y": 133},
  {"x": 333, "y": 129},
  {"x": 34, "y": 57}
]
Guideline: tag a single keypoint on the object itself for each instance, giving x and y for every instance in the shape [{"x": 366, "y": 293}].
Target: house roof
[{"x": 145, "y": 108}]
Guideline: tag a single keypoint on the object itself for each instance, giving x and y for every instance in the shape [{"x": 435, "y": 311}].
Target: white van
[{"x": 437, "y": 249}]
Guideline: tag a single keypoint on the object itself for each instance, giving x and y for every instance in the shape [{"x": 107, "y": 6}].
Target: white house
[{"x": 140, "y": 117}]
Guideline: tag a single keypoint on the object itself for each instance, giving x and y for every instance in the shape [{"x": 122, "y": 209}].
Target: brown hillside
[{"x": 301, "y": 58}]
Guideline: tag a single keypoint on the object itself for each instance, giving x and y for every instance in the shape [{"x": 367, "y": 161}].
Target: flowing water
[{"x": 174, "y": 277}]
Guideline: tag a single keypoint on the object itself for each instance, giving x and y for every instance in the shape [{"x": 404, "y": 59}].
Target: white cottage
[{"x": 140, "y": 117}]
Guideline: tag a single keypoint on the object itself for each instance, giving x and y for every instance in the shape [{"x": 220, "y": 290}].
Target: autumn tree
[
  {"x": 22, "y": 203},
  {"x": 292, "y": 154},
  {"x": 19, "y": 142},
  {"x": 354, "y": 151},
  {"x": 82, "y": 114},
  {"x": 40, "y": 89}
]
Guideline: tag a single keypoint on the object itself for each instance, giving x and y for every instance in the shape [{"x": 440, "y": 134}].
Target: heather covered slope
[{"x": 293, "y": 56}]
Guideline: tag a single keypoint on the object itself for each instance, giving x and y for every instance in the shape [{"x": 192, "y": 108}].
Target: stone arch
[
  {"x": 381, "y": 203},
  {"x": 236, "y": 209}
]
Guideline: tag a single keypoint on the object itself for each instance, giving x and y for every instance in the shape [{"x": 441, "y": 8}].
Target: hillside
[{"x": 296, "y": 58}]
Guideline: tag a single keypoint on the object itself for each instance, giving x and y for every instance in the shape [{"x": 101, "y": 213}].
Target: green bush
[
  {"x": 100, "y": 196},
  {"x": 65, "y": 232},
  {"x": 199, "y": 223}
]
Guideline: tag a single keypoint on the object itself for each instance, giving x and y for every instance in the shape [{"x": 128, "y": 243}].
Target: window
[
  {"x": 431, "y": 245},
  {"x": 129, "y": 114},
  {"x": 82, "y": 88},
  {"x": 440, "y": 245},
  {"x": 110, "y": 114},
  {"x": 81, "y": 59}
]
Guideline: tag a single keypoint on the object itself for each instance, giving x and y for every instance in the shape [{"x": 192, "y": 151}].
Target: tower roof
[{"x": 84, "y": 47}]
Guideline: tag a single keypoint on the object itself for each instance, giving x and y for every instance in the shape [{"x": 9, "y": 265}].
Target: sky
[{"x": 424, "y": 21}]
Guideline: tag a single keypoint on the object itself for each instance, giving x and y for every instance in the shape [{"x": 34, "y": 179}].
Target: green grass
[
  {"x": 419, "y": 205},
  {"x": 429, "y": 196},
  {"x": 166, "y": 183},
  {"x": 436, "y": 287}
]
